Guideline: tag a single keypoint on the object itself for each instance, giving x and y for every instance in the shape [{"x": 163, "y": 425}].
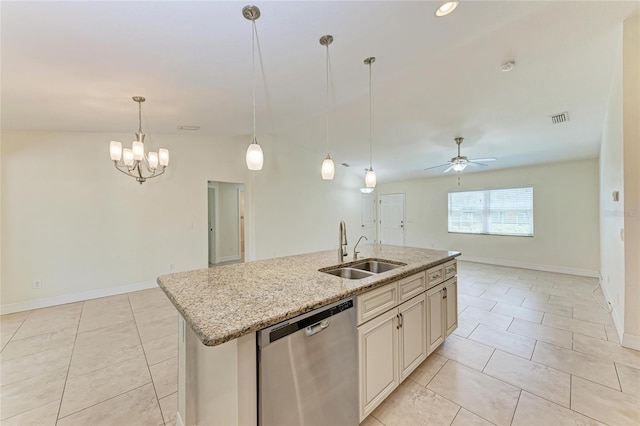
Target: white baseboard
[
  {"x": 228, "y": 258},
  {"x": 179, "y": 421},
  {"x": 45, "y": 302},
  {"x": 617, "y": 323},
  {"x": 631, "y": 341},
  {"x": 536, "y": 267}
]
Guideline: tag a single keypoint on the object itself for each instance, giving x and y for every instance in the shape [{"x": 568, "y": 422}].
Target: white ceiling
[{"x": 73, "y": 66}]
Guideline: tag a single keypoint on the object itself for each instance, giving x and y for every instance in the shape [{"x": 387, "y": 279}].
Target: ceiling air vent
[
  {"x": 346, "y": 164},
  {"x": 560, "y": 118}
]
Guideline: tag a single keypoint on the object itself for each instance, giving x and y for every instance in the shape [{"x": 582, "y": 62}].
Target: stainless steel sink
[
  {"x": 363, "y": 269},
  {"x": 375, "y": 266},
  {"x": 349, "y": 273}
]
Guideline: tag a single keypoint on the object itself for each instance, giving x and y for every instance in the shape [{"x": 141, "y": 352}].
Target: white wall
[
  {"x": 565, "y": 217},
  {"x": 631, "y": 99},
  {"x": 308, "y": 209},
  {"x": 619, "y": 159},
  {"x": 84, "y": 229},
  {"x": 611, "y": 212}
]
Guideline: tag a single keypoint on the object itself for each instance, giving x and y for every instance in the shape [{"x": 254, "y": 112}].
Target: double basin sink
[{"x": 363, "y": 269}]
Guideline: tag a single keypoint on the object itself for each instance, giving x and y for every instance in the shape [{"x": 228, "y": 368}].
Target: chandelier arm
[
  {"x": 119, "y": 168},
  {"x": 157, "y": 174}
]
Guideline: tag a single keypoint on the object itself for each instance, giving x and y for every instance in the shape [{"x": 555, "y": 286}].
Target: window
[{"x": 492, "y": 211}]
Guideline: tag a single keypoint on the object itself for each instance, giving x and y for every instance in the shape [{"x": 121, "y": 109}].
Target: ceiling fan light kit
[{"x": 460, "y": 162}]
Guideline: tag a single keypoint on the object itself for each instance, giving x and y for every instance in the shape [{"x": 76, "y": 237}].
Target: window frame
[{"x": 486, "y": 217}]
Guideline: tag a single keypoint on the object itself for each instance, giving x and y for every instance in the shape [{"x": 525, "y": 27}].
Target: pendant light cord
[
  {"x": 327, "y": 106},
  {"x": 370, "y": 120},
  {"x": 253, "y": 72},
  {"x": 140, "y": 117}
]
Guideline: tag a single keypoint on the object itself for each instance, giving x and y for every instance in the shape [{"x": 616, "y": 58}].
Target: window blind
[{"x": 492, "y": 211}]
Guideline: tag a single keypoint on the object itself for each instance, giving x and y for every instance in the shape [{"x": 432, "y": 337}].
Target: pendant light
[
  {"x": 370, "y": 177},
  {"x": 254, "y": 157},
  {"x": 328, "y": 169}
]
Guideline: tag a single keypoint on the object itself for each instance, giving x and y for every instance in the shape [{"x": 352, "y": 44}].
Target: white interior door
[
  {"x": 368, "y": 217},
  {"x": 212, "y": 225},
  {"x": 392, "y": 219}
]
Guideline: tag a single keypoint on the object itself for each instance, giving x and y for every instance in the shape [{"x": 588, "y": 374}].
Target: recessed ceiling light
[
  {"x": 446, "y": 8},
  {"x": 189, "y": 127},
  {"x": 507, "y": 66}
]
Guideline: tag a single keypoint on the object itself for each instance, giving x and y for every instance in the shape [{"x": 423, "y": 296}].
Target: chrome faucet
[
  {"x": 342, "y": 249},
  {"x": 355, "y": 253}
]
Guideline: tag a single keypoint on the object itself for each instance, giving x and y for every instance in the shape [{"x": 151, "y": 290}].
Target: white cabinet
[
  {"x": 413, "y": 334},
  {"x": 451, "y": 302},
  {"x": 378, "y": 352},
  {"x": 442, "y": 312},
  {"x": 390, "y": 347},
  {"x": 399, "y": 325},
  {"x": 435, "y": 317}
]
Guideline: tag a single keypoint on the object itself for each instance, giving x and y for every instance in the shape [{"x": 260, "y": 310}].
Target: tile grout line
[
  {"x": 73, "y": 349},
  {"x": 516, "y": 409},
  {"x": 100, "y": 402},
  {"x": 457, "y": 412},
  {"x": 155, "y": 391},
  {"x": 14, "y": 333}
]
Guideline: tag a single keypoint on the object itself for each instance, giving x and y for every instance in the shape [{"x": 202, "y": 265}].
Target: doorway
[
  {"x": 226, "y": 222},
  {"x": 392, "y": 219},
  {"x": 368, "y": 217}
]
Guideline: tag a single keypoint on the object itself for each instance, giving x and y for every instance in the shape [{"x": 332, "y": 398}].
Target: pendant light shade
[
  {"x": 328, "y": 168},
  {"x": 254, "y": 157},
  {"x": 370, "y": 179}
]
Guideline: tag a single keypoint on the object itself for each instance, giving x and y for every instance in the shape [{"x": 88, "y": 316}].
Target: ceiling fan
[{"x": 459, "y": 162}]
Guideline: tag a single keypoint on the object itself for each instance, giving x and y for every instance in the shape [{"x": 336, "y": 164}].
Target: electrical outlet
[
  {"x": 172, "y": 267},
  {"x": 37, "y": 284}
]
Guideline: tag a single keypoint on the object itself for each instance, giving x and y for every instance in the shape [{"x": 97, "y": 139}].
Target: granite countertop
[{"x": 225, "y": 302}]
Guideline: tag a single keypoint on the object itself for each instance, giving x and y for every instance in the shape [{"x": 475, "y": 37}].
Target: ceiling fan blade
[
  {"x": 435, "y": 167},
  {"x": 484, "y": 160},
  {"x": 447, "y": 169},
  {"x": 473, "y": 163}
]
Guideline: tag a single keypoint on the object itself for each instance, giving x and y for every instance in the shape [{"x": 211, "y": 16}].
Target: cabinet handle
[
  {"x": 401, "y": 320},
  {"x": 445, "y": 293},
  {"x": 398, "y": 317}
]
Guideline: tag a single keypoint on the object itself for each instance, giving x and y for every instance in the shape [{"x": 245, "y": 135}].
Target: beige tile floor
[{"x": 531, "y": 348}]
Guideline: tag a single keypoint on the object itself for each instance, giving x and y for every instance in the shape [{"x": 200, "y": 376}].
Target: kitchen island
[{"x": 221, "y": 308}]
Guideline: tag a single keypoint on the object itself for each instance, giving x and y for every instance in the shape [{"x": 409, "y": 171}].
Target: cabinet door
[
  {"x": 378, "y": 357},
  {"x": 451, "y": 302},
  {"x": 435, "y": 317},
  {"x": 413, "y": 334}
]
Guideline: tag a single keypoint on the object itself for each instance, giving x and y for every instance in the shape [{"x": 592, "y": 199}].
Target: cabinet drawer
[
  {"x": 412, "y": 286},
  {"x": 450, "y": 269},
  {"x": 376, "y": 302},
  {"x": 435, "y": 276}
]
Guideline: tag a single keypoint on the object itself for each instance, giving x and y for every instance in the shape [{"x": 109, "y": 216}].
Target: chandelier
[{"x": 135, "y": 162}]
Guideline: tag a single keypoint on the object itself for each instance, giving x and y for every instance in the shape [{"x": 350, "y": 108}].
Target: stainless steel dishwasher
[{"x": 308, "y": 369}]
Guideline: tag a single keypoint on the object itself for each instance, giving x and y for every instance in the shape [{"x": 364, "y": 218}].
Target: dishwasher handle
[{"x": 316, "y": 328}]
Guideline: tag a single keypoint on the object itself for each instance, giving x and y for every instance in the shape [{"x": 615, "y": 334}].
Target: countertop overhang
[{"x": 223, "y": 303}]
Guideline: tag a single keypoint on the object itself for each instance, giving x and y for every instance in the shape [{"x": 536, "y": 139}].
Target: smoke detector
[{"x": 559, "y": 118}]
